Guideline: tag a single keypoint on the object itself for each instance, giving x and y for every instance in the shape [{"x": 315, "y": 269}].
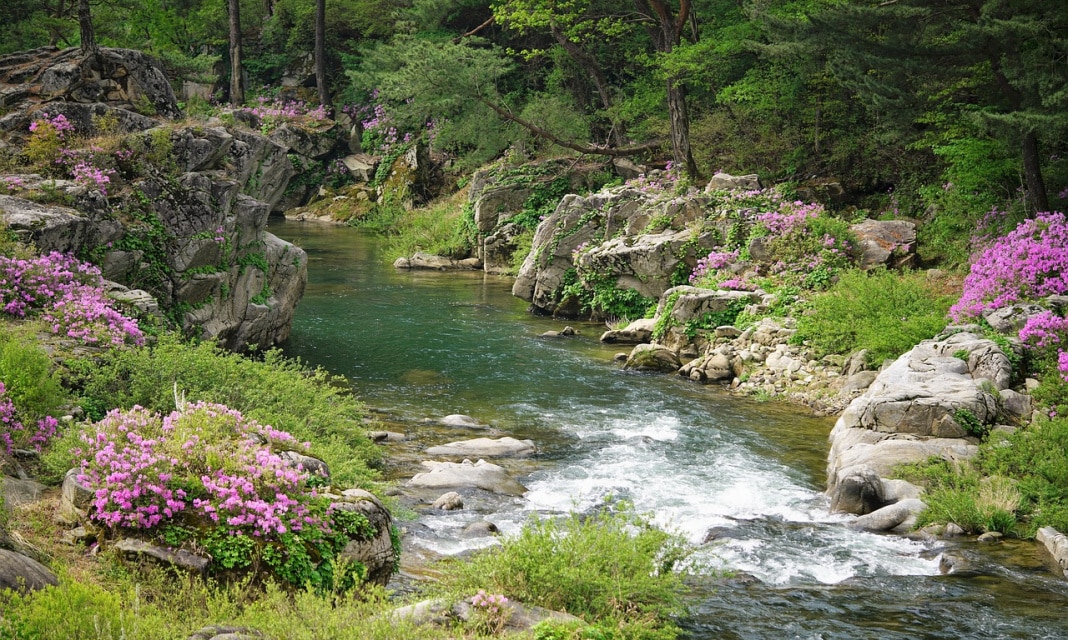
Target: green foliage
[
  {"x": 598, "y": 294},
  {"x": 613, "y": 568},
  {"x": 714, "y": 319},
  {"x": 310, "y": 404},
  {"x": 444, "y": 228},
  {"x": 970, "y": 423},
  {"x": 886, "y": 313},
  {"x": 28, "y": 374}
]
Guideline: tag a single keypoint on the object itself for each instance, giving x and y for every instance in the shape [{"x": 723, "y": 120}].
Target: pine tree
[{"x": 1000, "y": 61}]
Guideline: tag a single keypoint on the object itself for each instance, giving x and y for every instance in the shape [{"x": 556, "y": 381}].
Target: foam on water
[{"x": 691, "y": 479}]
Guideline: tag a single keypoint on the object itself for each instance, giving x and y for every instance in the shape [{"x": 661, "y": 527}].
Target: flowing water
[{"x": 418, "y": 346}]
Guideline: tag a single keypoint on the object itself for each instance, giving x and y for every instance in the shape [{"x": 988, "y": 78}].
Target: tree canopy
[{"x": 938, "y": 109}]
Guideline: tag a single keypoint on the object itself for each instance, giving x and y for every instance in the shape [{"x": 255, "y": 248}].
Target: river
[{"x": 418, "y": 346}]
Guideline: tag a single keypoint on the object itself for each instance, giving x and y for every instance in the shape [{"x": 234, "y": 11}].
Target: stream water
[{"x": 419, "y": 346}]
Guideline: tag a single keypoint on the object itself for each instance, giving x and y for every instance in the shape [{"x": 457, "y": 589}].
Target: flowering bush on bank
[
  {"x": 147, "y": 468},
  {"x": 1030, "y": 262},
  {"x": 67, "y": 295},
  {"x": 1046, "y": 336},
  {"x": 209, "y": 474}
]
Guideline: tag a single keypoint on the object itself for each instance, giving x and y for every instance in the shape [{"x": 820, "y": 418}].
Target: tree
[
  {"x": 998, "y": 64},
  {"x": 85, "y": 27},
  {"x": 576, "y": 27},
  {"x": 237, "y": 90},
  {"x": 665, "y": 26},
  {"x": 320, "y": 52}
]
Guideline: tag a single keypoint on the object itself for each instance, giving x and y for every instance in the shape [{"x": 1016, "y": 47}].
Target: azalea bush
[
  {"x": 13, "y": 434},
  {"x": 1045, "y": 339},
  {"x": 1029, "y": 263},
  {"x": 810, "y": 247},
  {"x": 211, "y": 476},
  {"x": 67, "y": 295}
]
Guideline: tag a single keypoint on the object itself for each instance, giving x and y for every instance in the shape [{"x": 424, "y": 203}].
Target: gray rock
[
  {"x": 450, "y": 501},
  {"x": 485, "y": 447},
  {"x": 1010, "y": 319},
  {"x": 225, "y": 632},
  {"x": 990, "y": 537},
  {"x": 897, "y": 516},
  {"x": 21, "y": 573},
  {"x": 885, "y": 242},
  {"x": 138, "y": 550},
  {"x": 460, "y": 420},
  {"x": 1017, "y": 406},
  {"x": 428, "y": 262},
  {"x": 653, "y": 357},
  {"x": 858, "y": 382},
  {"x": 480, "y": 529},
  {"x": 725, "y": 181},
  {"x": 1057, "y": 545},
  {"x": 375, "y": 553},
  {"x": 637, "y": 332},
  {"x": 859, "y": 490},
  {"x": 386, "y": 436},
  {"x": 314, "y": 466},
  {"x": 17, "y": 492},
  {"x": 480, "y": 475},
  {"x": 75, "y": 499}
]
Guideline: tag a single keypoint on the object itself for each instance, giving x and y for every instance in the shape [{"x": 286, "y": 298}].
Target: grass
[
  {"x": 884, "y": 312},
  {"x": 614, "y": 570},
  {"x": 1017, "y": 484}
]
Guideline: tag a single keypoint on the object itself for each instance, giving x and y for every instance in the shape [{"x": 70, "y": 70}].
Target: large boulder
[
  {"x": 928, "y": 403},
  {"x": 22, "y": 573},
  {"x": 195, "y": 240},
  {"x": 885, "y": 242},
  {"x": 479, "y": 475},
  {"x": 377, "y": 552}
]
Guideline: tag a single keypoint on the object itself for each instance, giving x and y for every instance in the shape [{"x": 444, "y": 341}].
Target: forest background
[{"x": 950, "y": 112}]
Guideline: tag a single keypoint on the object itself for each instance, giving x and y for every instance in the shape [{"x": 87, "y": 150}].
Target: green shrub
[
  {"x": 310, "y": 404},
  {"x": 613, "y": 568},
  {"x": 886, "y": 313},
  {"x": 27, "y": 373}
]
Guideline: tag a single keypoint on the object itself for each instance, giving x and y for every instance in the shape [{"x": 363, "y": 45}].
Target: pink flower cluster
[
  {"x": 207, "y": 462},
  {"x": 1044, "y": 330},
  {"x": 91, "y": 176},
  {"x": 1028, "y": 263},
  {"x": 788, "y": 217},
  {"x": 11, "y": 428},
  {"x": 68, "y": 295},
  {"x": 59, "y": 122},
  {"x": 712, "y": 262},
  {"x": 268, "y": 108},
  {"x": 490, "y": 603}
]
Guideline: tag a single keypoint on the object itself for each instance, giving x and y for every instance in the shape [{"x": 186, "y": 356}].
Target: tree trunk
[
  {"x": 665, "y": 36},
  {"x": 1032, "y": 165},
  {"x": 237, "y": 91},
  {"x": 85, "y": 27},
  {"x": 680, "y": 128},
  {"x": 320, "y": 52}
]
